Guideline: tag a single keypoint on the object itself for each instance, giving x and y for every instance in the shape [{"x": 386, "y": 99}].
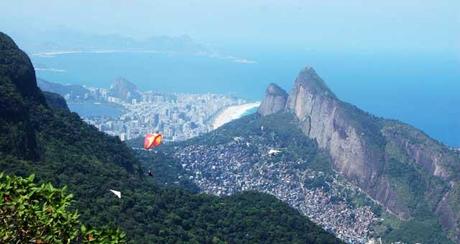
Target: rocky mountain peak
[
  {"x": 122, "y": 84},
  {"x": 274, "y": 101},
  {"x": 310, "y": 80},
  {"x": 275, "y": 90},
  {"x": 325, "y": 119},
  {"x": 363, "y": 147},
  {"x": 124, "y": 89}
]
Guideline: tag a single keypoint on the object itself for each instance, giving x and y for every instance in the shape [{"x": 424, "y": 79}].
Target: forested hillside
[{"x": 58, "y": 147}]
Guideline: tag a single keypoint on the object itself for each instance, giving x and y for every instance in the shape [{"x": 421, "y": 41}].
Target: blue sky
[
  {"x": 391, "y": 25},
  {"x": 395, "y": 58}
]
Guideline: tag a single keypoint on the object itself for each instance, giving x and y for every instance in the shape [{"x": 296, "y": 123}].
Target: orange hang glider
[{"x": 152, "y": 140}]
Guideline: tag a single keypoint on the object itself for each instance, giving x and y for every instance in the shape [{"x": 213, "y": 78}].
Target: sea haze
[{"x": 419, "y": 89}]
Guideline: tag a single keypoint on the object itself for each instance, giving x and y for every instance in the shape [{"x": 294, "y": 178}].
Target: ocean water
[
  {"x": 91, "y": 109},
  {"x": 420, "y": 89}
]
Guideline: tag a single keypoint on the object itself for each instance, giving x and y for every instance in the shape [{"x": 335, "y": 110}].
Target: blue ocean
[
  {"x": 420, "y": 89},
  {"x": 90, "y": 109}
]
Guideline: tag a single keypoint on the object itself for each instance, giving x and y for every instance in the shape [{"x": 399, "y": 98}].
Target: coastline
[{"x": 232, "y": 113}]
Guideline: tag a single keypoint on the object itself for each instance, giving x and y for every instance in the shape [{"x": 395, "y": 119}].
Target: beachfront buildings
[{"x": 176, "y": 116}]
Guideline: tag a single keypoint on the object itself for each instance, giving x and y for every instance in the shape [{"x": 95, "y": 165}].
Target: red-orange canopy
[{"x": 152, "y": 140}]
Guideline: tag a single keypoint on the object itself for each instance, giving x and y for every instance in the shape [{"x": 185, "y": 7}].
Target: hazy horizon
[
  {"x": 396, "y": 59},
  {"x": 413, "y": 25}
]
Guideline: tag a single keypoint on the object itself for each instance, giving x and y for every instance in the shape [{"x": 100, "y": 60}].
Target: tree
[{"x": 39, "y": 214}]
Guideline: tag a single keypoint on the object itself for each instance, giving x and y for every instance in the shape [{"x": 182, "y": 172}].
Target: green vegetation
[
  {"x": 39, "y": 214},
  {"x": 367, "y": 124},
  {"x": 455, "y": 198},
  {"x": 279, "y": 130},
  {"x": 58, "y": 147},
  {"x": 420, "y": 192},
  {"x": 55, "y": 101},
  {"x": 416, "y": 230},
  {"x": 166, "y": 171},
  {"x": 407, "y": 182},
  {"x": 417, "y": 191}
]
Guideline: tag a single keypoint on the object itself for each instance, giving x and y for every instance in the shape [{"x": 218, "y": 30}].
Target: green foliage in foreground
[{"x": 38, "y": 214}]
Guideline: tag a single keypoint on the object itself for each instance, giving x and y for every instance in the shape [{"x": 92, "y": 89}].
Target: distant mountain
[
  {"x": 120, "y": 89},
  {"x": 71, "y": 92},
  {"x": 124, "y": 90},
  {"x": 70, "y": 40},
  {"x": 38, "y": 135},
  {"x": 328, "y": 153}
]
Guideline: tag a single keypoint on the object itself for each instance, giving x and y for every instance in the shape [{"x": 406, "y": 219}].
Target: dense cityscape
[
  {"x": 244, "y": 164},
  {"x": 176, "y": 116}
]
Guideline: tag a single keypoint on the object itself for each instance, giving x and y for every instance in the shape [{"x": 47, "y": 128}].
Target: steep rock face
[
  {"x": 326, "y": 119},
  {"x": 408, "y": 144},
  {"x": 396, "y": 164},
  {"x": 274, "y": 101},
  {"x": 351, "y": 136},
  {"x": 434, "y": 157}
]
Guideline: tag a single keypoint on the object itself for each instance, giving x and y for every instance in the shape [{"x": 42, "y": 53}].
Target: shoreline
[{"x": 232, "y": 112}]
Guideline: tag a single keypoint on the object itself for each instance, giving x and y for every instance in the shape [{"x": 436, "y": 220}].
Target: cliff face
[
  {"x": 322, "y": 118},
  {"x": 351, "y": 136},
  {"x": 394, "y": 163},
  {"x": 434, "y": 157},
  {"x": 275, "y": 100}
]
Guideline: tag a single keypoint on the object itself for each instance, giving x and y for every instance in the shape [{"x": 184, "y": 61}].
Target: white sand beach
[{"x": 232, "y": 113}]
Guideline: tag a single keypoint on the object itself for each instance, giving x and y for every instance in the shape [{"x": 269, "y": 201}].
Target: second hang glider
[
  {"x": 152, "y": 140},
  {"x": 117, "y": 193}
]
